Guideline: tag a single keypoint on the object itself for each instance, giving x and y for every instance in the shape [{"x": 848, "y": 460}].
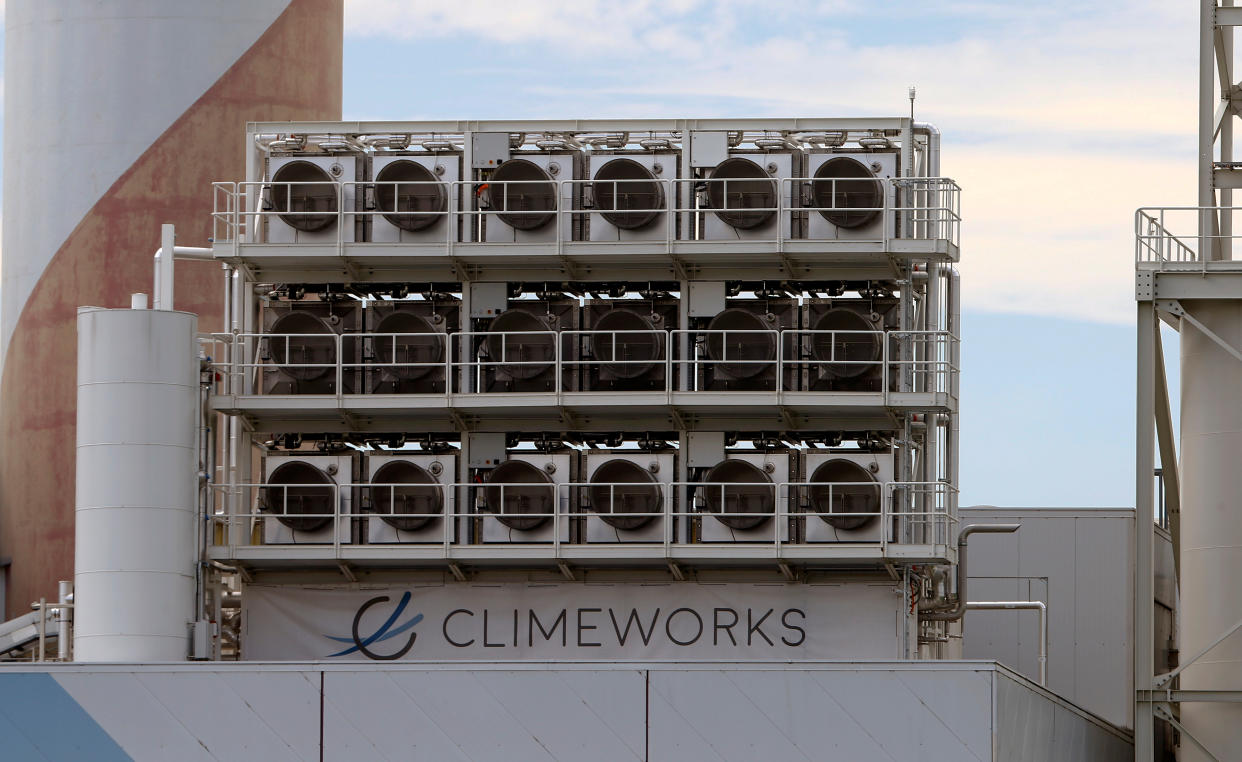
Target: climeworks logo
[{"x": 385, "y": 631}]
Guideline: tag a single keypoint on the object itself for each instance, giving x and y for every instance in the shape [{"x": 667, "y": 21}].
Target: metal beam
[
  {"x": 1144, "y": 531},
  {"x": 1229, "y": 17},
  {"x": 1168, "y": 453}
]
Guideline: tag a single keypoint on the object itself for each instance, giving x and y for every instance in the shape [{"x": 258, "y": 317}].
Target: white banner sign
[{"x": 552, "y": 622}]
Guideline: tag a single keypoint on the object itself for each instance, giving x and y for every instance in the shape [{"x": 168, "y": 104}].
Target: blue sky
[{"x": 1060, "y": 118}]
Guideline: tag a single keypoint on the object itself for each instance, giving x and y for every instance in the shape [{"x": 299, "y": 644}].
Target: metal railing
[
  {"x": 1176, "y": 237},
  {"x": 481, "y": 362},
  {"x": 912, "y": 208},
  {"x": 556, "y": 515}
]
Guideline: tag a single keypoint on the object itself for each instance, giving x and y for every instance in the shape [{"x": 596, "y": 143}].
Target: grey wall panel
[
  {"x": 480, "y": 714},
  {"x": 204, "y": 715},
  {"x": 374, "y": 718},
  {"x": 1102, "y": 644},
  {"x": 819, "y": 714},
  {"x": 116, "y": 699},
  {"x": 1078, "y": 561},
  {"x": 576, "y": 711},
  {"x": 1031, "y": 727}
]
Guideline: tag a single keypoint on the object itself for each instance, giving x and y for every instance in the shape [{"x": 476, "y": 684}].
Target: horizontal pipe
[
  {"x": 1039, "y": 606},
  {"x": 959, "y": 606}
]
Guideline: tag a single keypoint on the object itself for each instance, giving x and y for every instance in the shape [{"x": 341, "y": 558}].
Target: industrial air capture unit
[
  {"x": 312, "y": 197},
  {"x": 413, "y": 195},
  {"x": 740, "y": 347},
  {"x": 410, "y": 497},
  {"x": 842, "y": 343},
  {"x": 408, "y": 345},
  {"x": 631, "y": 191},
  {"x": 746, "y": 192},
  {"x": 851, "y": 194},
  {"x": 625, "y": 344},
  {"x": 311, "y": 346},
  {"x": 843, "y": 496},
  {"x": 308, "y": 498},
  {"x": 525, "y": 499},
  {"x": 625, "y": 495},
  {"x": 527, "y": 196},
  {"x": 517, "y": 350},
  {"x": 742, "y": 497}
]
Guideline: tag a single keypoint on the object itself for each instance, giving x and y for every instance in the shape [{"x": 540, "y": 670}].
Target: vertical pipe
[
  {"x": 1144, "y": 518},
  {"x": 64, "y": 596},
  {"x": 1226, "y": 145},
  {"x": 1207, "y": 99},
  {"x": 168, "y": 251}
]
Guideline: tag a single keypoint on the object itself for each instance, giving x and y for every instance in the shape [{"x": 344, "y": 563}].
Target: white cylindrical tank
[
  {"x": 136, "y": 485},
  {"x": 1211, "y": 536}
]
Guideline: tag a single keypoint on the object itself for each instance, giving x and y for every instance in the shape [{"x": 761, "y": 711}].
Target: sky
[{"x": 1059, "y": 118}]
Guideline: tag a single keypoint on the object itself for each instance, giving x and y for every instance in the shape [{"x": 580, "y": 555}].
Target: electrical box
[
  {"x": 488, "y": 149},
  {"x": 706, "y": 298},
  {"x": 704, "y": 449},
  {"x": 487, "y": 450},
  {"x": 707, "y": 149},
  {"x": 488, "y": 299}
]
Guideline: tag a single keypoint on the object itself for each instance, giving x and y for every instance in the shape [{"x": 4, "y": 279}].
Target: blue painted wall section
[{"x": 40, "y": 721}]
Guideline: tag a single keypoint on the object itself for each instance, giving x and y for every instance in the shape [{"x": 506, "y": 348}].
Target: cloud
[{"x": 1060, "y": 118}]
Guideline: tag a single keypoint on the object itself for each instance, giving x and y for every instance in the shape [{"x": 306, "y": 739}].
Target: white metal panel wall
[
  {"x": 590, "y": 711},
  {"x": 1032, "y": 727},
  {"x": 1079, "y": 562},
  {"x": 136, "y": 484}
]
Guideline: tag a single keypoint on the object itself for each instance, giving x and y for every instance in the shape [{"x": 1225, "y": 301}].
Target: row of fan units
[
  {"x": 593, "y": 497},
  {"x": 425, "y": 197},
  {"x": 616, "y": 345}
]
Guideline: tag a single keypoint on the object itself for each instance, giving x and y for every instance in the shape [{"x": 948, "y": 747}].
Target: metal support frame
[
  {"x": 1215, "y": 277},
  {"x": 927, "y": 291}
]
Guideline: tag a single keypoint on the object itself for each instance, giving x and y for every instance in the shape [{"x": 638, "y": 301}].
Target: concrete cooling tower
[{"x": 118, "y": 116}]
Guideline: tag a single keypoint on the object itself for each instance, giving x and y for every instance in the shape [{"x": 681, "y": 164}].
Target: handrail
[
  {"x": 936, "y": 214},
  {"x": 469, "y": 359},
  {"x": 680, "y": 502}
]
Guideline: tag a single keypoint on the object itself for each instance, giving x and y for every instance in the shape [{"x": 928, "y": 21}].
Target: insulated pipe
[
  {"x": 63, "y": 613},
  {"x": 933, "y": 146},
  {"x": 1039, "y": 606},
  {"x": 959, "y": 606},
  {"x": 163, "y": 286}
]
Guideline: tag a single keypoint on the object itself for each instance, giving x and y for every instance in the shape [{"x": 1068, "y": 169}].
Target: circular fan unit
[
  {"x": 304, "y": 195},
  {"x": 516, "y": 501},
  {"x": 415, "y": 505},
  {"x": 851, "y": 493},
  {"x": 308, "y": 352},
  {"x": 620, "y": 488},
  {"x": 847, "y": 192},
  {"x": 625, "y": 184},
  {"x": 741, "y": 354},
  {"x": 748, "y": 188},
  {"x": 410, "y": 207},
  {"x": 752, "y": 495},
  {"x": 529, "y": 349},
  {"x": 294, "y": 494},
  {"x": 850, "y": 354},
  {"x": 427, "y": 346},
  {"x": 635, "y": 353},
  {"x": 522, "y": 194}
]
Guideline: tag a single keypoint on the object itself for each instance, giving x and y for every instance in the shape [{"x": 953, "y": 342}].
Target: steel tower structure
[{"x": 1189, "y": 276}]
